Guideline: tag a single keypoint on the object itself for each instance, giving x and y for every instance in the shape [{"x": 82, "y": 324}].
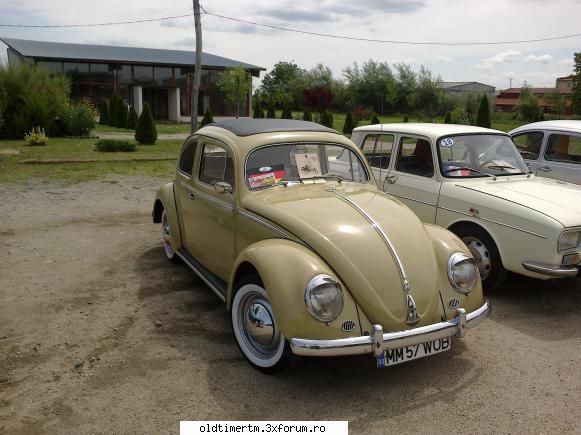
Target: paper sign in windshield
[
  {"x": 265, "y": 175},
  {"x": 308, "y": 165},
  {"x": 447, "y": 143}
]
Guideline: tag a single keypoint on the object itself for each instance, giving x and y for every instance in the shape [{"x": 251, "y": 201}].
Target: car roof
[
  {"x": 432, "y": 130},
  {"x": 250, "y": 126},
  {"x": 561, "y": 124}
]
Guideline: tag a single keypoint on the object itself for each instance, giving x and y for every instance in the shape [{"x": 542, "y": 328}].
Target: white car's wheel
[
  {"x": 256, "y": 330},
  {"x": 166, "y": 234}
]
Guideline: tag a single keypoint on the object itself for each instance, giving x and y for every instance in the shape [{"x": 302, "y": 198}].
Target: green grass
[
  {"x": 11, "y": 170},
  {"x": 162, "y": 127}
]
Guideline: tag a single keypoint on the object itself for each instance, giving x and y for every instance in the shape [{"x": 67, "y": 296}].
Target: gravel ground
[{"x": 100, "y": 334}]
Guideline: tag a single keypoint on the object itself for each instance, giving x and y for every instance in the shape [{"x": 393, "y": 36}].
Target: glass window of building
[
  {"x": 78, "y": 71},
  {"x": 100, "y": 73},
  {"x": 53, "y": 67},
  {"x": 163, "y": 76},
  {"x": 143, "y": 75},
  {"x": 124, "y": 75}
]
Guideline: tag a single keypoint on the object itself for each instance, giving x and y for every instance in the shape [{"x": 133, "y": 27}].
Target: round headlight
[
  {"x": 324, "y": 298},
  {"x": 462, "y": 272}
]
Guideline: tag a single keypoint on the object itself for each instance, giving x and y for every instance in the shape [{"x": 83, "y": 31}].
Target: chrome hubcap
[
  {"x": 165, "y": 231},
  {"x": 259, "y": 330},
  {"x": 481, "y": 255}
]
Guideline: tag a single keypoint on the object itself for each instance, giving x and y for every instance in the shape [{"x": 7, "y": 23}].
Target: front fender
[
  {"x": 445, "y": 244},
  {"x": 285, "y": 268},
  {"x": 165, "y": 200}
]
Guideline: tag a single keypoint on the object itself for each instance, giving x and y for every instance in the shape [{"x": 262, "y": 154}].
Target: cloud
[
  {"x": 291, "y": 15},
  {"x": 544, "y": 59},
  {"x": 483, "y": 66},
  {"x": 445, "y": 59},
  {"x": 507, "y": 56}
]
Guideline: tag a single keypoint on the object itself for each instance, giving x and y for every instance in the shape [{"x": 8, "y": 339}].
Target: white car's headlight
[
  {"x": 462, "y": 272},
  {"x": 324, "y": 298},
  {"x": 570, "y": 241}
]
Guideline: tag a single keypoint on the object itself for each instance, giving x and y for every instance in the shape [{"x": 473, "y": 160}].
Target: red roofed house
[{"x": 507, "y": 100}]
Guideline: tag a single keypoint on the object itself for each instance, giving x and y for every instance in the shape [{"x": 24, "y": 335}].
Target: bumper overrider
[{"x": 379, "y": 341}]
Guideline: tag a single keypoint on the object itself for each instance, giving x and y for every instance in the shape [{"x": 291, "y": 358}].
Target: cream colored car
[
  {"x": 474, "y": 182},
  {"x": 283, "y": 221}
]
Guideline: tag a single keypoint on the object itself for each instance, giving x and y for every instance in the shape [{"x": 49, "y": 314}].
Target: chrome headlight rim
[
  {"x": 315, "y": 282},
  {"x": 454, "y": 260},
  {"x": 571, "y": 249}
]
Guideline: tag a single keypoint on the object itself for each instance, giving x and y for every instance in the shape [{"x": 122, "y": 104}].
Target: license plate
[{"x": 403, "y": 354}]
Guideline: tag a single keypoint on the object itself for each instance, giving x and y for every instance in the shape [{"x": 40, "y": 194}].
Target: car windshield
[
  {"x": 272, "y": 164},
  {"x": 479, "y": 155}
]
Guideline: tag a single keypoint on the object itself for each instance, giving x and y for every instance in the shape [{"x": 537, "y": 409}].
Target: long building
[{"x": 163, "y": 78}]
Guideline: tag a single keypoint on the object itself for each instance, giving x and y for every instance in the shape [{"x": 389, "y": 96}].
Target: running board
[{"x": 216, "y": 284}]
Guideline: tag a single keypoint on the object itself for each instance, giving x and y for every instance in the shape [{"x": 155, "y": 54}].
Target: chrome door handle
[
  {"x": 191, "y": 195},
  {"x": 391, "y": 179},
  {"x": 544, "y": 168}
]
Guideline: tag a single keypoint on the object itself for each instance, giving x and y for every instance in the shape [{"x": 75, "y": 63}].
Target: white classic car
[
  {"x": 551, "y": 148},
  {"x": 474, "y": 182}
]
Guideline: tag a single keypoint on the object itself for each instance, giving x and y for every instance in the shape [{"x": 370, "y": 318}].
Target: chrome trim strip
[
  {"x": 263, "y": 222},
  {"x": 411, "y": 199},
  {"x": 202, "y": 277},
  {"x": 412, "y": 316},
  {"x": 558, "y": 271},
  {"x": 367, "y": 344},
  {"x": 494, "y": 222},
  {"x": 207, "y": 197}
]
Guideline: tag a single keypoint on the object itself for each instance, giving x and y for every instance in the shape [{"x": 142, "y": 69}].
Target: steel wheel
[
  {"x": 256, "y": 330},
  {"x": 166, "y": 234},
  {"x": 481, "y": 255}
]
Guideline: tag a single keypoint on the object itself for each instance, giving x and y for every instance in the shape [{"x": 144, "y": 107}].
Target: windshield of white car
[
  {"x": 274, "y": 164},
  {"x": 479, "y": 155}
]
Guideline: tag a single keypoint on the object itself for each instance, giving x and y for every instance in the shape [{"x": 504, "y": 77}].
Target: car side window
[
  {"x": 377, "y": 149},
  {"x": 529, "y": 144},
  {"x": 564, "y": 148},
  {"x": 216, "y": 165},
  {"x": 187, "y": 158},
  {"x": 415, "y": 157}
]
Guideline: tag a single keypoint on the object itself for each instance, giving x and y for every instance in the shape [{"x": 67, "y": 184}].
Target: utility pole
[{"x": 198, "y": 67}]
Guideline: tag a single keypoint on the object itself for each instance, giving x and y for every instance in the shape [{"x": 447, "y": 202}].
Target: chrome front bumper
[
  {"x": 379, "y": 341},
  {"x": 558, "y": 271}
]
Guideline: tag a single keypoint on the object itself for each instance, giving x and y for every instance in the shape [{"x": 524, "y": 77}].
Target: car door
[
  {"x": 561, "y": 158},
  {"x": 207, "y": 214},
  {"x": 413, "y": 179},
  {"x": 377, "y": 149},
  {"x": 529, "y": 145}
]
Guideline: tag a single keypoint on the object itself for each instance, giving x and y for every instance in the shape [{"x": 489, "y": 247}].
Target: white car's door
[
  {"x": 561, "y": 158},
  {"x": 529, "y": 145},
  {"x": 413, "y": 178},
  {"x": 378, "y": 148}
]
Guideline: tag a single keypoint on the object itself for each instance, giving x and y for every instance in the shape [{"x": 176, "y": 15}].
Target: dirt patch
[{"x": 100, "y": 334}]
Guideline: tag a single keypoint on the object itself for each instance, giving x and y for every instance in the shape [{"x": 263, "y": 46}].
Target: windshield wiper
[
  {"x": 504, "y": 168},
  {"x": 337, "y": 177},
  {"x": 459, "y": 168}
]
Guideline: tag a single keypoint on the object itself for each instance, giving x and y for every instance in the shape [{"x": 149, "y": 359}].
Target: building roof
[
  {"x": 433, "y": 131},
  {"x": 248, "y": 127},
  {"x": 449, "y": 85},
  {"x": 534, "y": 90},
  {"x": 109, "y": 53}
]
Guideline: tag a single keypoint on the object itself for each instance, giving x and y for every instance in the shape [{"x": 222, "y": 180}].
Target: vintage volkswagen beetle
[
  {"x": 474, "y": 182},
  {"x": 308, "y": 255}
]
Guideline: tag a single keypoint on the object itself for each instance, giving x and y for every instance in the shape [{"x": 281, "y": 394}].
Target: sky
[{"x": 538, "y": 63}]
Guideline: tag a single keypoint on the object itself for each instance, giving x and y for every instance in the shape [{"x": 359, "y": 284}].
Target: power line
[{"x": 303, "y": 32}]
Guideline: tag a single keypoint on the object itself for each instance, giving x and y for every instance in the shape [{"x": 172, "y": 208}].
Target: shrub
[
  {"x": 459, "y": 116},
  {"x": 405, "y": 119},
  {"x": 375, "y": 120},
  {"x": 326, "y": 119},
  {"x": 31, "y": 97},
  {"x": 121, "y": 121},
  {"x": 308, "y": 116},
  {"x": 286, "y": 112},
  {"x": 207, "y": 119},
  {"x": 447, "y": 118},
  {"x": 483, "y": 119},
  {"x": 349, "y": 124},
  {"x": 257, "y": 110},
  {"x": 79, "y": 119},
  {"x": 103, "y": 113},
  {"x": 271, "y": 113},
  {"x": 132, "y": 118},
  {"x": 35, "y": 137},
  {"x": 145, "y": 132},
  {"x": 112, "y": 111},
  {"x": 114, "y": 145}
]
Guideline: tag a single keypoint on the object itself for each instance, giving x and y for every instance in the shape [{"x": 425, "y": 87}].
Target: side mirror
[{"x": 222, "y": 187}]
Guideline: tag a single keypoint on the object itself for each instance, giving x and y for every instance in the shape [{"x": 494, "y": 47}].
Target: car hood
[
  {"x": 354, "y": 248},
  {"x": 556, "y": 199}
]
